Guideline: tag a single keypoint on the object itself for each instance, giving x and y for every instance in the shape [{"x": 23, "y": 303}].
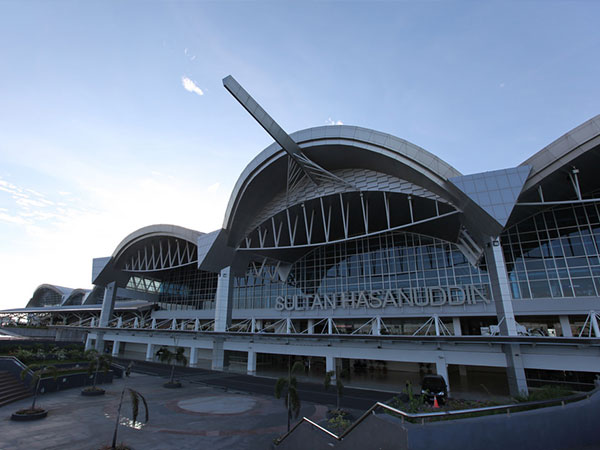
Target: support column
[
  {"x": 88, "y": 342},
  {"x": 108, "y": 307},
  {"x": 288, "y": 325},
  {"x": 115, "y": 349},
  {"x": 149, "y": 352},
  {"x": 330, "y": 326},
  {"x": 565, "y": 326},
  {"x": 457, "y": 327},
  {"x": 259, "y": 325},
  {"x": 193, "y": 357},
  {"x": 515, "y": 371},
  {"x": 251, "y": 363},
  {"x": 311, "y": 326},
  {"x": 218, "y": 355},
  {"x": 330, "y": 364},
  {"x": 376, "y": 326},
  {"x": 108, "y": 304},
  {"x": 594, "y": 323},
  {"x": 441, "y": 368},
  {"x": 253, "y": 325},
  {"x": 223, "y": 302}
]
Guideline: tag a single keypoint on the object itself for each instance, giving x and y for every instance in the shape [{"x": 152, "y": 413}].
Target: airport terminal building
[{"x": 346, "y": 247}]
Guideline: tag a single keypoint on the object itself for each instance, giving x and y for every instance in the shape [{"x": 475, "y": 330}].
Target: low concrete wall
[
  {"x": 568, "y": 427},
  {"x": 46, "y": 333}
]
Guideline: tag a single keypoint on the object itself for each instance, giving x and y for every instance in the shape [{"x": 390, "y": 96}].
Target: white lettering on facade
[{"x": 428, "y": 296}]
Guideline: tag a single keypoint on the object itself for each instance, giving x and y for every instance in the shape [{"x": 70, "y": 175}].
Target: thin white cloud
[
  {"x": 190, "y": 86},
  {"x": 330, "y": 121}
]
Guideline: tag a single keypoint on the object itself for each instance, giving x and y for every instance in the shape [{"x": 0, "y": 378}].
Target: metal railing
[{"x": 441, "y": 415}]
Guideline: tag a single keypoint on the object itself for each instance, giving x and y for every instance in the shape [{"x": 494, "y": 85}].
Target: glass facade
[
  {"x": 388, "y": 261},
  {"x": 180, "y": 288},
  {"x": 554, "y": 253}
]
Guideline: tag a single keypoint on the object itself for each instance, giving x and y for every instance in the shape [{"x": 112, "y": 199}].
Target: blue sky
[{"x": 99, "y": 135}]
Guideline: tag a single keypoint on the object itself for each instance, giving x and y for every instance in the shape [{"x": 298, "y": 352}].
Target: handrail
[{"x": 423, "y": 416}]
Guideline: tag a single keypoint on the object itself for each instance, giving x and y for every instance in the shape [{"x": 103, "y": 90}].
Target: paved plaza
[{"x": 193, "y": 417}]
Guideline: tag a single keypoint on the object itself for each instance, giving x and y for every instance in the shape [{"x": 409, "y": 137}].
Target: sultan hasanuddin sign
[{"x": 426, "y": 296}]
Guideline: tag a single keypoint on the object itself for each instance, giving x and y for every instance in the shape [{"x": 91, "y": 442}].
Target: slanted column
[
  {"x": 223, "y": 302},
  {"x": 500, "y": 288},
  {"x": 115, "y": 349},
  {"x": 311, "y": 326},
  {"x": 88, "y": 342},
  {"x": 456, "y": 326},
  {"x": 193, "y": 356},
  {"x": 251, "y": 363},
  {"x": 149, "y": 352},
  {"x": 515, "y": 370},
  {"x": 441, "y": 368},
  {"x": 565, "y": 326},
  {"x": 108, "y": 307},
  {"x": 108, "y": 304}
]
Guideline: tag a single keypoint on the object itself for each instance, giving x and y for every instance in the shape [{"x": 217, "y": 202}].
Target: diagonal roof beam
[{"x": 311, "y": 169}]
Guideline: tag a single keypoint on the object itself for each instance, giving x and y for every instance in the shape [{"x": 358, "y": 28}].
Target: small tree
[
  {"x": 289, "y": 385},
  {"x": 339, "y": 386},
  {"x": 98, "y": 362},
  {"x": 135, "y": 398},
  {"x": 167, "y": 356},
  {"x": 38, "y": 371}
]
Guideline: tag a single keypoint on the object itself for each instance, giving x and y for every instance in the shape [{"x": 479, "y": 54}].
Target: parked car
[{"x": 434, "y": 386}]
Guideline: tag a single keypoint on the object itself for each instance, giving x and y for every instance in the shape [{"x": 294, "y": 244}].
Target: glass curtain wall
[
  {"x": 554, "y": 253},
  {"x": 388, "y": 261}
]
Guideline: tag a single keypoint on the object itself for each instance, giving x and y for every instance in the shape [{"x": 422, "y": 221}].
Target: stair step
[{"x": 7, "y": 400}]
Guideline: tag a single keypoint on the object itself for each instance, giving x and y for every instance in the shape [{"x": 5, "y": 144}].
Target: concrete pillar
[
  {"x": 149, "y": 352},
  {"x": 153, "y": 324},
  {"x": 457, "y": 327},
  {"x": 565, "y": 326},
  {"x": 196, "y": 324},
  {"x": 251, "y": 363},
  {"x": 223, "y": 303},
  {"x": 115, "y": 349},
  {"x": 330, "y": 364},
  {"x": 108, "y": 304},
  {"x": 93, "y": 322},
  {"x": 441, "y": 368},
  {"x": 259, "y": 325},
  {"x": 330, "y": 326},
  {"x": 436, "y": 322},
  {"x": 120, "y": 322},
  {"x": 500, "y": 288},
  {"x": 253, "y": 326},
  {"x": 136, "y": 323},
  {"x": 218, "y": 355},
  {"x": 193, "y": 356},
  {"x": 183, "y": 325},
  {"x": 594, "y": 323},
  {"x": 515, "y": 371},
  {"x": 311, "y": 326},
  {"x": 174, "y": 324},
  {"x": 288, "y": 325},
  {"x": 376, "y": 326},
  {"x": 88, "y": 342}
]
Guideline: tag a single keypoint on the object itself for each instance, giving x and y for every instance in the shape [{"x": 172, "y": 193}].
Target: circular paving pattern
[{"x": 233, "y": 404}]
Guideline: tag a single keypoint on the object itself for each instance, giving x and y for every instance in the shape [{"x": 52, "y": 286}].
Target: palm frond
[
  {"x": 280, "y": 386},
  {"x": 294, "y": 401},
  {"x": 298, "y": 367}
]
